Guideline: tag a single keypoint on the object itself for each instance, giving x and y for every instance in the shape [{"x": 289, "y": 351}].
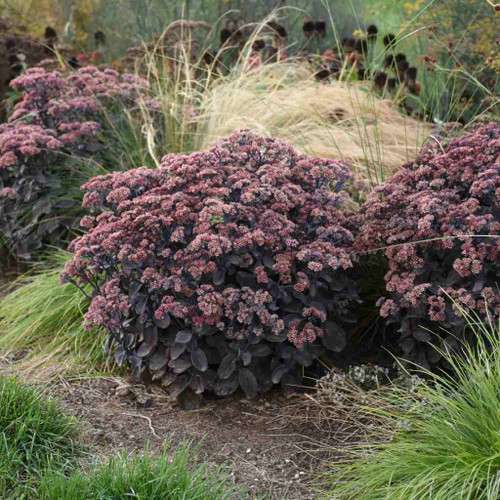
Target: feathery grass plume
[
  {"x": 200, "y": 105},
  {"x": 42, "y": 320},
  {"x": 282, "y": 100},
  {"x": 175, "y": 474},
  {"x": 376, "y": 142},
  {"x": 441, "y": 441},
  {"x": 35, "y": 436}
]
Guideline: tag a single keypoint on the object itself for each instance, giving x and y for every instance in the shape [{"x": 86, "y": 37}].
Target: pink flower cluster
[
  {"x": 244, "y": 238},
  {"x": 19, "y": 142},
  {"x": 50, "y": 99},
  {"x": 56, "y": 113},
  {"x": 438, "y": 219}
]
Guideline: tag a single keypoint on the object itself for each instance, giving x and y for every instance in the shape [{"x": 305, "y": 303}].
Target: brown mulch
[{"x": 252, "y": 439}]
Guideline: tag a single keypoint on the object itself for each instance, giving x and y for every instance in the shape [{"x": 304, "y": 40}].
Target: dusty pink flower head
[
  {"x": 328, "y": 56},
  {"x": 82, "y": 58}
]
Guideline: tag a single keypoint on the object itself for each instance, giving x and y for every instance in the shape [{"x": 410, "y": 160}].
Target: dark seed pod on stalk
[
  {"x": 380, "y": 79},
  {"x": 207, "y": 57},
  {"x": 361, "y": 46},
  {"x": 10, "y": 43},
  {"x": 258, "y": 45},
  {"x": 99, "y": 38},
  {"x": 320, "y": 28},
  {"x": 349, "y": 45},
  {"x": 362, "y": 73},
  {"x": 322, "y": 74},
  {"x": 50, "y": 37},
  {"x": 50, "y": 33},
  {"x": 372, "y": 32},
  {"x": 411, "y": 74},
  {"x": 278, "y": 28},
  {"x": 335, "y": 69},
  {"x": 389, "y": 40},
  {"x": 308, "y": 28},
  {"x": 225, "y": 35},
  {"x": 389, "y": 62},
  {"x": 402, "y": 67}
]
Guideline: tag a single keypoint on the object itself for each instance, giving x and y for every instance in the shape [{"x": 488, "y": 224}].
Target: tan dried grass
[{"x": 344, "y": 121}]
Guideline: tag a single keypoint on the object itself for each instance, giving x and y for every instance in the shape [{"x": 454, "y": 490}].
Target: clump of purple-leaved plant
[
  {"x": 439, "y": 221},
  {"x": 54, "y": 126},
  {"x": 221, "y": 269}
]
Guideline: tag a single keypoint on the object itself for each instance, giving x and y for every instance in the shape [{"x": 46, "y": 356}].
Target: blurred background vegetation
[{"x": 128, "y": 22}]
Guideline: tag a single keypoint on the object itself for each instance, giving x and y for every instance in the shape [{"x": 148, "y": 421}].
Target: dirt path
[{"x": 263, "y": 453}]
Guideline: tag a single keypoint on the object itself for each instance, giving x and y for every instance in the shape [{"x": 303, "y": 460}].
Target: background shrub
[
  {"x": 434, "y": 218},
  {"x": 53, "y": 143},
  {"x": 222, "y": 268}
]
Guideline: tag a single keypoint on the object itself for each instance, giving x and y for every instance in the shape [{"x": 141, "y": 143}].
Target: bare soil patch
[{"x": 264, "y": 453}]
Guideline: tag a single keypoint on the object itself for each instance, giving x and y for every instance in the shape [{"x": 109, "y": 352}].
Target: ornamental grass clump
[
  {"x": 221, "y": 269},
  {"x": 42, "y": 321},
  {"x": 438, "y": 222},
  {"x": 440, "y": 441},
  {"x": 35, "y": 436},
  {"x": 50, "y": 144}
]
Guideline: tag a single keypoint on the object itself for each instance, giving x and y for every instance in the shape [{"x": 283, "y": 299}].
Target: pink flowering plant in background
[
  {"x": 222, "y": 269},
  {"x": 448, "y": 201},
  {"x": 56, "y": 127}
]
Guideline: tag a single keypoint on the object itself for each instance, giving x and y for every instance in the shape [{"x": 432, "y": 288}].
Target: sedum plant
[
  {"x": 438, "y": 222},
  {"x": 52, "y": 144},
  {"x": 222, "y": 269}
]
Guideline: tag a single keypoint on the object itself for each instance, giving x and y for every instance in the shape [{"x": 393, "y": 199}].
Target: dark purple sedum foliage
[
  {"x": 221, "y": 269},
  {"x": 450, "y": 197},
  {"x": 57, "y": 120}
]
